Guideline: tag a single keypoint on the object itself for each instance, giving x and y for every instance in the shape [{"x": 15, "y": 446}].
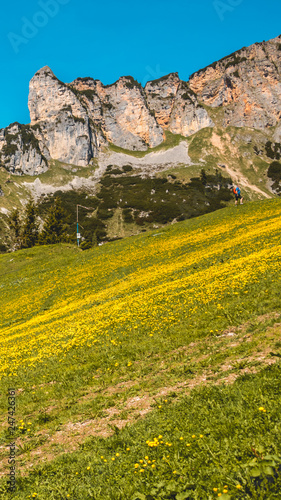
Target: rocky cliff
[
  {"x": 73, "y": 122},
  {"x": 175, "y": 106},
  {"x": 21, "y": 152},
  {"x": 246, "y": 84}
]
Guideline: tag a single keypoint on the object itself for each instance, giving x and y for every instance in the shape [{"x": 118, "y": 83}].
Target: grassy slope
[
  {"x": 170, "y": 141},
  {"x": 233, "y": 151},
  {"x": 204, "y": 151},
  {"x": 100, "y": 338}
]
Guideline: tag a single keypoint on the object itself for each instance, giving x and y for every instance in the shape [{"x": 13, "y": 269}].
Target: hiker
[{"x": 237, "y": 193}]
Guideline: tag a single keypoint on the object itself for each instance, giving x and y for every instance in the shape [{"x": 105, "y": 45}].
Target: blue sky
[{"x": 110, "y": 39}]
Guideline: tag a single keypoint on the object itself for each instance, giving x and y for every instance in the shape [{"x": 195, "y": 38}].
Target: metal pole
[
  {"x": 77, "y": 228},
  {"x": 78, "y": 234}
]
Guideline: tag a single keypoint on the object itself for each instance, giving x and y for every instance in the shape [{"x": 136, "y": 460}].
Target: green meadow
[{"x": 146, "y": 368}]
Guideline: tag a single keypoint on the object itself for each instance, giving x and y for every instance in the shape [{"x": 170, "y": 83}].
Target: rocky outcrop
[
  {"x": 160, "y": 95},
  {"x": 277, "y": 133},
  {"x": 188, "y": 116},
  {"x": 175, "y": 106},
  {"x": 121, "y": 111},
  {"x": 20, "y": 152},
  {"x": 72, "y": 122},
  {"x": 246, "y": 83},
  {"x": 75, "y": 119},
  {"x": 60, "y": 120}
]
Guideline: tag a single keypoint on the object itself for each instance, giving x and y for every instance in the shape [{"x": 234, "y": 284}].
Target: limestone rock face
[
  {"x": 176, "y": 106},
  {"x": 246, "y": 83},
  {"x": 188, "y": 116},
  {"x": 160, "y": 95},
  {"x": 121, "y": 111},
  {"x": 277, "y": 133},
  {"x": 20, "y": 152},
  {"x": 127, "y": 119},
  {"x": 72, "y": 122},
  {"x": 135, "y": 118},
  {"x": 60, "y": 119}
]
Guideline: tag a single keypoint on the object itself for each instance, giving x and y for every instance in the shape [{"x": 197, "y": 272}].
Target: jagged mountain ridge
[
  {"x": 90, "y": 114},
  {"x": 74, "y": 122}
]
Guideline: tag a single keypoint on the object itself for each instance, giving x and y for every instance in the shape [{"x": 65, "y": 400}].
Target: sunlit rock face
[
  {"x": 60, "y": 120},
  {"x": 175, "y": 106},
  {"x": 20, "y": 151},
  {"x": 74, "y": 122},
  {"x": 246, "y": 83}
]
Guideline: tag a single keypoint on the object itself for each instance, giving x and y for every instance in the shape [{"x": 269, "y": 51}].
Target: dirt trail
[
  {"x": 244, "y": 182},
  {"x": 236, "y": 176},
  {"x": 68, "y": 437}
]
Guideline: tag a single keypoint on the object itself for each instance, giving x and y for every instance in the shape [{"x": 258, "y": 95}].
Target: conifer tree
[
  {"x": 54, "y": 229},
  {"x": 15, "y": 226},
  {"x": 30, "y": 227},
  {"x": 203, "y": 177}
]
